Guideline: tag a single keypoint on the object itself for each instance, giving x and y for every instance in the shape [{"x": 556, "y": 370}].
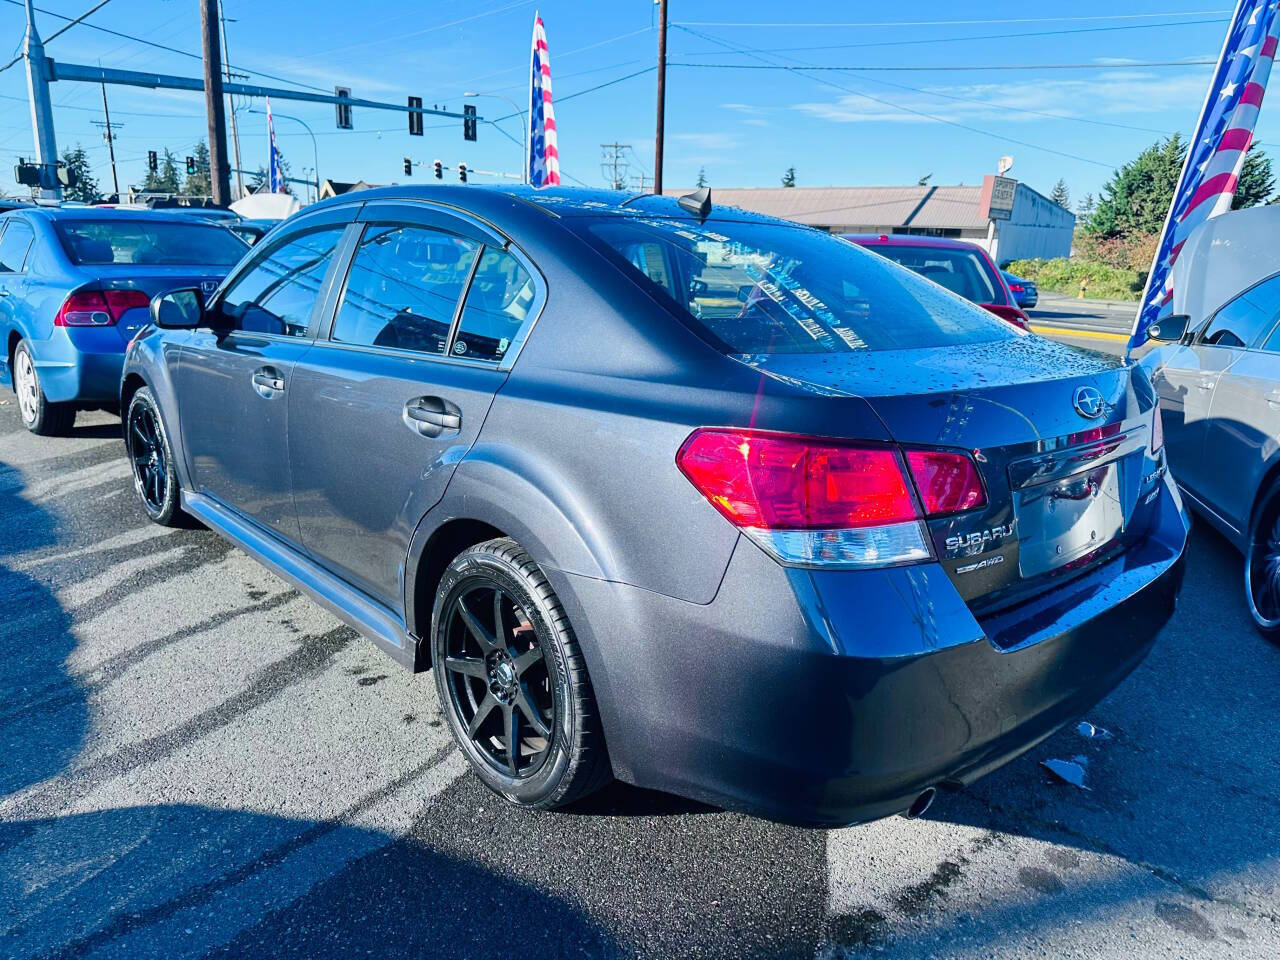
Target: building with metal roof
[{"x": 1031, "y": 225}]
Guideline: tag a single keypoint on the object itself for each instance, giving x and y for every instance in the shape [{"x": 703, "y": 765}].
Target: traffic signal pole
[
  {"x": 41, "y": 108},
  {"x": 219, "y": 175}
]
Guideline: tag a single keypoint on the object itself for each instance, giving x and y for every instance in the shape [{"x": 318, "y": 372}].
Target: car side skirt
[{"x": 348, "y": 604}]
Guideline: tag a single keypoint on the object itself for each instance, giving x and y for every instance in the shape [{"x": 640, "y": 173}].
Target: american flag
[
  {"x": 544, "y": 157},
  {"x": 276, "y": 176},
  {"x": 1216, "y": 154}
]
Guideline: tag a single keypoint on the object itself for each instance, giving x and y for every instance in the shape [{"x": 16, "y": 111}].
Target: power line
[
  {"x": 950, "y": 23},
  {"x": 57, "y": 33},
  {"x": 165, "y": 47},
  {"x": 1127, "y": 65},
  {"x": 803, "y": 71},
  {"x": 984, "y": 36}
]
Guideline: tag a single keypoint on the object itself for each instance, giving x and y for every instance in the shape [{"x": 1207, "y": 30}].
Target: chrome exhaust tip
[{"x": 921, "y": 804}]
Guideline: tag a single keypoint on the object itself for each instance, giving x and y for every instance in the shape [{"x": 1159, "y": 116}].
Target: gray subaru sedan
[{"x": 702, "y": 500}]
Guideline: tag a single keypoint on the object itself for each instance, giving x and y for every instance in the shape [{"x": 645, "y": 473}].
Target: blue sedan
[
  {"x": 75, "y": 285},
  {"x": 1024, "y": 291}
]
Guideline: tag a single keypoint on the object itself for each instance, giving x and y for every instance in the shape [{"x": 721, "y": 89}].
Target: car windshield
[
  {"x": 98, "y": 242},
  {"x": 963, "y": 272},
  {"x": 767, "y": 288}
]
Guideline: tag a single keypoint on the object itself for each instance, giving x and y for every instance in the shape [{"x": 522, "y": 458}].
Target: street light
[
  {"x": 524, "y": 130},
  {"x": 315, "y": 169}
]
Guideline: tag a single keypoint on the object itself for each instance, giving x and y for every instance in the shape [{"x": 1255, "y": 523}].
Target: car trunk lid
[
  {"x": 149, "y": 280},
  {"x": 1064, "y": 490}
]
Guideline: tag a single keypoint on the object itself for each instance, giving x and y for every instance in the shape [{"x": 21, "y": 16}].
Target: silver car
[{"x": 1218, "y": 377}]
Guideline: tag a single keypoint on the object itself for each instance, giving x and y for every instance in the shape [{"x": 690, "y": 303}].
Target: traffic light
[
  {"x": 343, "y": 110},
  {"x": 27, "y": 174},
  {"x": 439, "y": 168},
  {"x": 469, "y": 122},
  {"x": 191, "y": 166},
  {"x": 462, "y": 172},
  {"x": 415, "y": 119},
  {"x": 408, "y": 167},
  {"x": 153, "y": 162}
]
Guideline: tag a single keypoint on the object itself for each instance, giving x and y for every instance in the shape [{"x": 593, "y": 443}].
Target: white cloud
[{"x": 1114, "y": 94}]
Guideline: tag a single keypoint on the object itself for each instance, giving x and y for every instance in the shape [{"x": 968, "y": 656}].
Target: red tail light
[
  {"x": 1017, "y": 288},
  {"x": 812, "y": 501},
  {"x": 948, "y": 482},
  {"x": 777, "y": 481},
  {"x": 98, "y": 308}
]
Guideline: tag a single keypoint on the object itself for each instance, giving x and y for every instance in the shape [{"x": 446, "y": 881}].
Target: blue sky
[{"x": 744, "y": 126}]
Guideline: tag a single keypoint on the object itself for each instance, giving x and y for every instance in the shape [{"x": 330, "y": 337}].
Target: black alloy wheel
[
  {"x": 512, "y": 680},
  {"x": 498, "y": 680},
  {"x": 1262, "y": 567},
  {"x": 151, "y": 457}
]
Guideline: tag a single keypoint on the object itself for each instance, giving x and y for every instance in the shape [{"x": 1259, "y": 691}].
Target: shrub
[{"x": 1102, "y": 281}]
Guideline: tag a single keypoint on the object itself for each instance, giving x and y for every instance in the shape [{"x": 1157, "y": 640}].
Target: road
[
  {"x": 1096, "y": 324},
  {"x": 199, "y": 762}
]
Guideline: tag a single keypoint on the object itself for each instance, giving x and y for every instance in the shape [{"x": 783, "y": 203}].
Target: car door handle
[
  {"x": 3, "y": 292},
  {"x": 432, "y": 416},
  {"x": 268, "y": 379},
  {"x": 1204, "y": 384},
  {"x": 1273, "y": 398}
]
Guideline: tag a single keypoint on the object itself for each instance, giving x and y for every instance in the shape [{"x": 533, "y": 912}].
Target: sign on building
[{"x": 997, "y": 197}]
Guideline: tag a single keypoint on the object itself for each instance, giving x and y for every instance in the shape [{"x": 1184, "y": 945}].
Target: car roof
[
  {"x": 487, "y": 200},
  {"x": 909, "y": 240},
  {"x": 99, "y": 214}
]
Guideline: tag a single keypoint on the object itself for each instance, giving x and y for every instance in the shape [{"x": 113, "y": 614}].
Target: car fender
[{"x": 150, "y": 358}]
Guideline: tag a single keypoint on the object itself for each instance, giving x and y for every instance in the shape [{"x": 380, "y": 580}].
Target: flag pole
[
  {"x": 1182, "y": 174},
  {"x": 528, "y": 138}
]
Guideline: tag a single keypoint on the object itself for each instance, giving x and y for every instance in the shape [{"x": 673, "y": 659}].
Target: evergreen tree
[
  {"x": 1061, "y": 195},
  {"x": 164, "y": 180},
  {"x": 1087, "y": 206},
  {"x": 197, "y": 184},
  {"x": 85, "y": 187},
  {"x": 702, "y": 178},
  {"x": 1137, "y": 198},
  {"x": 789, "y": 178},
  {"x": 1257, "y": 182}
]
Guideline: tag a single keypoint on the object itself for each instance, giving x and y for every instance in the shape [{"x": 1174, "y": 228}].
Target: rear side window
[
  {"x": 963, "y": 272},
  {"x": 101, "y": 242},
  {"x": 767, "y": 288},
  {"x": 498, "y": 302},
  {"x": 1246, "y": 318},
  {"x": 14, "y": 245},
  {"x": 404, "y": 287}
]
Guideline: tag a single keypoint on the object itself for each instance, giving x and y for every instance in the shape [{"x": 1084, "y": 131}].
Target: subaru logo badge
[
  {"x": 208, "y": 286},
  {"x": 1089, "y": 403}
]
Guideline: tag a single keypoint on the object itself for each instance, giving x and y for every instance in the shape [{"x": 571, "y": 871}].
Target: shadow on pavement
[{"x": 178, "y": 880}]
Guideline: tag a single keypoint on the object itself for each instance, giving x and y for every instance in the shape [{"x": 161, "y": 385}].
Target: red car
[{"x": 963, "y": 268}]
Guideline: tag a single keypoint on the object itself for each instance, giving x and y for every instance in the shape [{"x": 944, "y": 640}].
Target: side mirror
[
  {"x": 1170, "y": 329},
  {"x": 178, "y": 309}
]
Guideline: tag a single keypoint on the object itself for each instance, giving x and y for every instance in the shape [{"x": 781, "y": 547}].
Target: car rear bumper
[
  {"x": 81, "y": 365},
  {"x": 836, "y": 698}
]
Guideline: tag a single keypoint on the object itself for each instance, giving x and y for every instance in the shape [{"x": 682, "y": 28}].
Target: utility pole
[
  {"x": 613, "y": 166},
  {"x": 231, "y": 101},
  {"x": 662, "y": 95},
  {"x": 41, "y": 108},
  {"x": 219, "y": 177},
  {"x": 111, "y": 140}
]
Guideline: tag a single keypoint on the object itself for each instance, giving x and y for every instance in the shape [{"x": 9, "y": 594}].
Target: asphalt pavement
[
  {"x": 196, "y": 761},
  {"x": 1102, "y": 325}
]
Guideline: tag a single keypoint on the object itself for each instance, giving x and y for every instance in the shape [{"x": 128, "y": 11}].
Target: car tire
[
  {"x": 151, "y": 460},
  {"x": 38, "y": 415},
  {"x": 1262, "y": 565},
  {"x": 485, "y": 669}
]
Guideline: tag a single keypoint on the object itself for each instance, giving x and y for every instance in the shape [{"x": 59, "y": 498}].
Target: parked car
[
  {"x": 703, "y": 500},
  {"x": 1024, "y": 291},
  {"x": 963, "y": 268},
  {"x": 251, "y": 231},
  {"x": 75, "y": 283},
  {"x": 1219, "y": 386}
]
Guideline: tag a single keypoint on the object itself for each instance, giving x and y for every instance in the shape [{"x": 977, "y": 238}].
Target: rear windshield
[
  {"x": 963, "y": 272},
  {"x": 95, "y": 242},
  {"x": 765, "y": 288}
]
